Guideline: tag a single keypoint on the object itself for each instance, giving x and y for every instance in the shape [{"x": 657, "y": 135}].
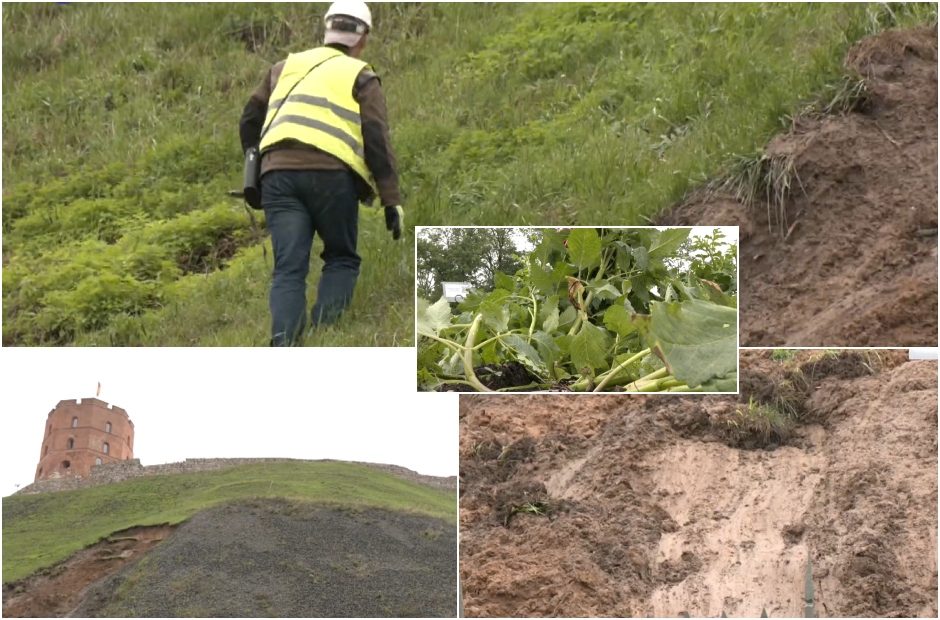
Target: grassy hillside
[
  {"x": 120, "y": 140},
  {"x": 40, "y": 530}
]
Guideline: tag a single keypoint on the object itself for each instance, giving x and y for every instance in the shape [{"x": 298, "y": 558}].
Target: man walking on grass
[{"x": 320, "y": 122}]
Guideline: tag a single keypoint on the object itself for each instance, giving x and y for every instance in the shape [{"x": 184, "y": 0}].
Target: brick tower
[{"x": 83, "y": 433}]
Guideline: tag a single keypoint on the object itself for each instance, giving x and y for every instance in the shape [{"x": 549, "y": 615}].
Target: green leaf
[
  {"x": 553, "y": 243},
  {"x": 668, "y": 241},
  {"x": 489, "y": 353},
  {"x": 427, "y": 382},
  {"x": 727, "y": 383},
  {"x": 501, "y": 280},
  {"x": 525, "y": 354},
  {"x": 452, "y": 366},
  {"x": 567, "y": 317},
  {"x": 641, "y": 258},
  {"x": 547, "y": 347},
  {"x": 624, "y": 256},
  {"x": 697, "y": 339},
  {"x": 495, "y": 310},
  {"x": 589, "y": 348},
  {"x": 548, "y": 280},
  {"x": 584, "y": 247},
  {"x": 619, "y": 321},
  {"x": 604, "y": 291},
  {"x": 550, "y": 323},
  {"x": 542, "y": 279},
  {"x": 433, "y": 318}
]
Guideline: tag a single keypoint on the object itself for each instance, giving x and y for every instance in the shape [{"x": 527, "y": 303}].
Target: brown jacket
[{"x": 290, "y": 155}]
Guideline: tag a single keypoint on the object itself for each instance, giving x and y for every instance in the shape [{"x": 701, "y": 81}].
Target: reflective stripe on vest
[{"x": 321, "y": 110}]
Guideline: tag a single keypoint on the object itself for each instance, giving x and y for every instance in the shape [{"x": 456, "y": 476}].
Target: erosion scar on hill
[{"x": 850, "y": 258}]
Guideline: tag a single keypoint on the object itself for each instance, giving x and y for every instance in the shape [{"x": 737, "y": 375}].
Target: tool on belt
[{"x": 251, "y": 191}]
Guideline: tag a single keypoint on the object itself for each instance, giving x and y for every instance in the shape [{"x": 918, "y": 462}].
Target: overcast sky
[{"x": 350, "y": 404}]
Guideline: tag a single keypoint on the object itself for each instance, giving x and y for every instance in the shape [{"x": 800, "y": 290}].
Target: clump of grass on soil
[{"x": 757, "y": 425}]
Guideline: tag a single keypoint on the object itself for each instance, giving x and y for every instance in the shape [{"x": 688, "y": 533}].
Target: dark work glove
[{"x": 393, "y": 220}]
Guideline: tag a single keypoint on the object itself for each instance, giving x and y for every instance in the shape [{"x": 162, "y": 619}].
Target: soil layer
[
  {"x": 855, "y": 263},
  {"x": 649, "y": 506}
]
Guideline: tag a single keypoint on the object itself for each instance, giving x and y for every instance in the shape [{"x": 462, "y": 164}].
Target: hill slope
[
  {"x": 260, "y": 558},
  {"x": 41, "y": 530},
  {"x": 119, "y": 141}
]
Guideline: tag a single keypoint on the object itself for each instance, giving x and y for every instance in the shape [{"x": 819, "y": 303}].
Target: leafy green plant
[
  {"x": 782, "y": 355},
  {"x": 594, "y": 310}
]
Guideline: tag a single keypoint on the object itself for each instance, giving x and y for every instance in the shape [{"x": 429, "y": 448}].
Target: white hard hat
[{"x": 355, "y": 9}]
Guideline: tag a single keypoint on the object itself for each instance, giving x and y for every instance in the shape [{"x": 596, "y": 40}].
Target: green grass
[
  {"x": 759, "y": 424},
  {"x": 40, "y": 530},
  {"x": 120, "y": 140}
]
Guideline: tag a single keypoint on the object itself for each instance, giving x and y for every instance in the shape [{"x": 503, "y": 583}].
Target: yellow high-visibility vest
[{"x": 320, "y": 110}]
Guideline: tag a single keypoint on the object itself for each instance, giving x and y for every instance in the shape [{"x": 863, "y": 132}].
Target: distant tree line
[{"x": 471, "y": 255}]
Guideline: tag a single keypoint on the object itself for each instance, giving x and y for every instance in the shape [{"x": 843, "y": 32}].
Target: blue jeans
[{"x": 298, "y": 204}]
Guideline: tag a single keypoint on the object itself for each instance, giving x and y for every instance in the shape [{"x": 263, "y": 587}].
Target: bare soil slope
[
  {"x": 56, "y": 591},
  {"x": 261, "y": 558},
  {"x": 859, "y": 267},
  {"x": 656, "y": 506}
]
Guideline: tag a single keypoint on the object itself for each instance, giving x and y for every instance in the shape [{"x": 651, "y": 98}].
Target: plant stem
[
  {"x": 656, "y": 374},
  {"x": 658, "y": 385},
  {"x": 497, "y": 337},
  {"x": 535, "y": 313},
  {"x": 468, "y": 356},
  {"x": 600, "y": 386},
  {"x": 582, "y": 315},
  {"x": 518, "y": 387},
  {"x": 452, "y": 345}
]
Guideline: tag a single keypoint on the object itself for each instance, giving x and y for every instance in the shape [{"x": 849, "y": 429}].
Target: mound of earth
[
  {"x": 263, "y": 558},
  {"x": 646, "y": 506},
  {"x": 856, "y": 262}
]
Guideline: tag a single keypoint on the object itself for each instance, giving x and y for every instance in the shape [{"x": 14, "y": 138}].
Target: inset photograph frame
[{"x": 577, "y": 309}]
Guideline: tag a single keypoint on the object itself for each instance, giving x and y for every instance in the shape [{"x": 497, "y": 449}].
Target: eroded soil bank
[
  {"x": 56, "y": 591},
  {"x": 662, "y": 506},
  {"x": 855, "y": 263}
]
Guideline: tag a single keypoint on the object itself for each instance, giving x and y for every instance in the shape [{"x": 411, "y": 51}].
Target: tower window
[
  {"x": 74, "y": 422},
  {"x": 98, "y": 461},
  {"x": 66, "y": 464},
  {"x": 107, "y": 427},
  {"x": 107, "y": 448},
  {"x": 71, "y": 443}
]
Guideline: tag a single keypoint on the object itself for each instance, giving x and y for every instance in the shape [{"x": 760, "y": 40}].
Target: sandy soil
[
  {"x": 651, "y": 507},
  {"x": 859, "y": 266}
]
